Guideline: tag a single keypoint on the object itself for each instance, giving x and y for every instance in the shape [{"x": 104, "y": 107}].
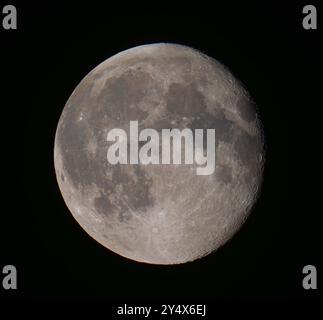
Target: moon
[{"x": 159, "y": 214}]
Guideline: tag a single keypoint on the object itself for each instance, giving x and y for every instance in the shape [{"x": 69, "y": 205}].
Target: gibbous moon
[{"x": 159, "y": 213}]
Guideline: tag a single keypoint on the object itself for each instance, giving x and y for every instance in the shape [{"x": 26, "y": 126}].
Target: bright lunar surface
[{"x": 159, "y": 213}]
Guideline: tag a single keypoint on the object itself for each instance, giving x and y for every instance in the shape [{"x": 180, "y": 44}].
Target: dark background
[{"x": 264, "y": 45}]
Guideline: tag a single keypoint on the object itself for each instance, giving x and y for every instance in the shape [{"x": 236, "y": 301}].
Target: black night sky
[{"x": 265, "y": 46}]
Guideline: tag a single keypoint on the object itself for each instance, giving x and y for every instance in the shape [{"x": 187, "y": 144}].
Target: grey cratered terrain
[{"x": 159, "y": 214}]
